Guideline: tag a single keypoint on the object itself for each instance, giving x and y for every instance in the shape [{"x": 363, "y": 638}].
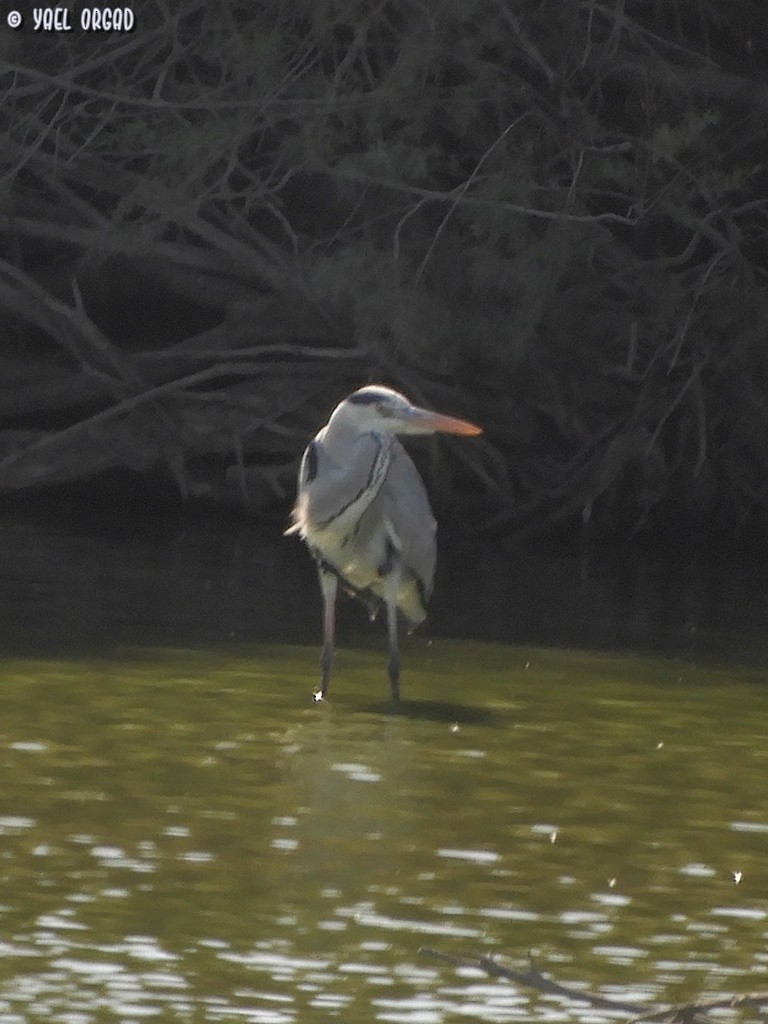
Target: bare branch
[
  {"x": 533, "y": 978},
  {"x": 461, "y": 192},
  {"x": 456, "y": 197},
  {"x": 642, "y": 1013}
]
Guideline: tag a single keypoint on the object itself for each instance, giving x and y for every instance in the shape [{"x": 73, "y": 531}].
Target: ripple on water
[
  {"x": 288, "y": 888},
  {"x": 476, "y": 856},
  {"x": 356, "y": 772}
]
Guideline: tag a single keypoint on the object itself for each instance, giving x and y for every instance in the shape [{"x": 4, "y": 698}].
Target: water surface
[{"x": 185, "y": 837}]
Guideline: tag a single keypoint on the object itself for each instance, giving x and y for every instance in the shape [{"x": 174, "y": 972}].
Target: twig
[
  {"x": 533, "y": 978},
  {"x": 493, "y": 204},
  {"x": 753, "y": 1000},
  {"x": 459, "y": 194},
  {"x": 642, "y": 1013},
  {"x": 128, "y": 404},
  {"x": 694, "y": 376},
  {"x": 531, "y": 51},
  {"x": 683, "y": 330}
]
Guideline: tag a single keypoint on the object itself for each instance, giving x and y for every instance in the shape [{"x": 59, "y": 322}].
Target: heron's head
[{"x": 376, "y": 408}]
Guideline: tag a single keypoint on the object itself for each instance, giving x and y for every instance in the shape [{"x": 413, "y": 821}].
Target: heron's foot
[{"x": 317, "y": 696}]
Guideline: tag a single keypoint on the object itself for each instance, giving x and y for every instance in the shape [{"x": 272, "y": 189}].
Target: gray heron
[{"x": 364, "y": 514}]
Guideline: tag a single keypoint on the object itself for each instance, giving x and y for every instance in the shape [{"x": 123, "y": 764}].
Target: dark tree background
[{"x": 550, "y": 217}]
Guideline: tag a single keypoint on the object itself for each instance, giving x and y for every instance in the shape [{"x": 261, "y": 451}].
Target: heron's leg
[
  {"x": 329, "y": 585},
  {"x": 393, "y": 665}
]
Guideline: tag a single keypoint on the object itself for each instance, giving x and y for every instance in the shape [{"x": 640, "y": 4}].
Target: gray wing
[
  {"x": 406, "y": 506},
  {"x": 342, "y": 487}
]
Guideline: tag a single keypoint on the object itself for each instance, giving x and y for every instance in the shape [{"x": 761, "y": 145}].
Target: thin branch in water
[
  {"x": 642, "y": 1013},
  {"x": 533, "y": 978}
]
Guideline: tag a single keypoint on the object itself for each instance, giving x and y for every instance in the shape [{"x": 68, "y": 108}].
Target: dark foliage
[{"x": 548, "y": 217}]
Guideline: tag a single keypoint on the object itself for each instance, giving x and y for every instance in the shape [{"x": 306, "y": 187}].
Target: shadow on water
[
  {"x": 69, "y": 586},
  {"x": 185, "y": 836},
  {"x": 444, "y": 712}
]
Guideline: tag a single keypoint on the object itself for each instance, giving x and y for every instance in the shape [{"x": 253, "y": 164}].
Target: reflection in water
[
  {"x": 200, "y": 584},
  {"x": 183, "y": 833},
  {"x": 184, "y": 837}
]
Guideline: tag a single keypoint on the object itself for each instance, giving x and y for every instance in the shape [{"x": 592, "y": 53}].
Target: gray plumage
[{"x": 363, "y": 511}]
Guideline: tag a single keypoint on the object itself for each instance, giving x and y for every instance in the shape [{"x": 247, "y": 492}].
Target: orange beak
[
  {"x": 427, "y": 422},
  {"x": 452, "y": 425}
]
